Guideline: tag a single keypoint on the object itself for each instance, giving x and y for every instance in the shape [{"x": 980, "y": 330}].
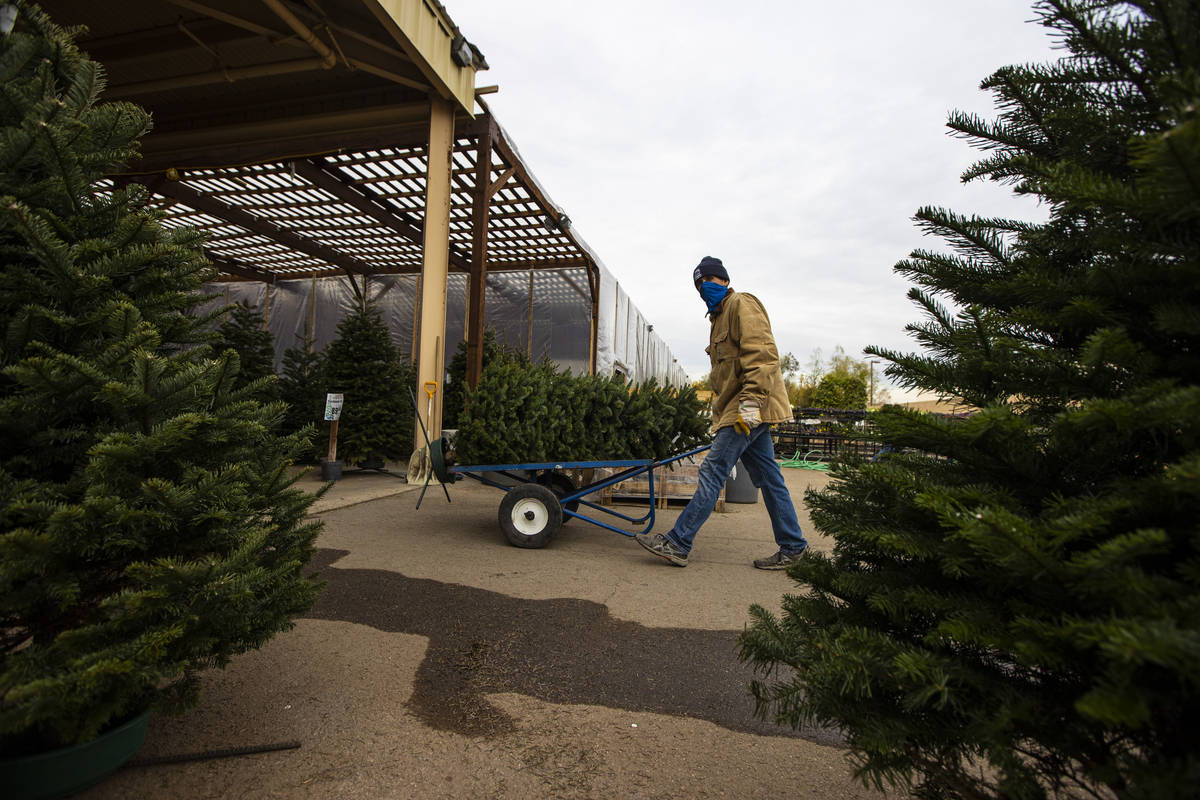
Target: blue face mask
[{"x": 713, "y": 293}]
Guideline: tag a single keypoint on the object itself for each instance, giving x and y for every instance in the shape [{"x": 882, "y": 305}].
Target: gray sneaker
[
  {"x": 661, "y": 546},
  {"x": 780, "y": 560}
]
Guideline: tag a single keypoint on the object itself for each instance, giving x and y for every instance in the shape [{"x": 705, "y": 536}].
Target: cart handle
[{"x": 681, "y": 456}]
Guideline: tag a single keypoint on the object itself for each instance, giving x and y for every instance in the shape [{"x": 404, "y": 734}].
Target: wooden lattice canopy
[{"x": 296, "y": 134}]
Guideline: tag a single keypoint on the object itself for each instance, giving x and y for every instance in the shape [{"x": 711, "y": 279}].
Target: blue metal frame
[{"x": 630, "y": 469}]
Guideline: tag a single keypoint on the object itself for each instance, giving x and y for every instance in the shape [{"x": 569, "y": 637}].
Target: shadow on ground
[{"x": 561, "y": 651}]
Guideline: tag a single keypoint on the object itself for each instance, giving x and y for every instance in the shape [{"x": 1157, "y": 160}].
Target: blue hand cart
[{"x": 539, "y": 498}]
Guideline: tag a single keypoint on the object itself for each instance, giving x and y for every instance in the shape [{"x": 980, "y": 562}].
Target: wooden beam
[
  {"x": 328, "y": 57},
  {"x": 529, "y": 182},
  {"x": 503, "y": 179},
  {"x": 594, "y": 284},
  {"x": 242, "y": 271},
  {"x": 237, "y": 216},
  {"x": 278, "y": 37},
  {"x": 284, "y": 137},
  {"x": 436, "y": 266},
  {"x": 547, "y": 263},
  {"x": 317, "y": 174},
  {"x": 481, "y": 200},
  {"x": 306, "y": 272},
  {"x": 230, "y": 75},
  {"x": 229, "y": 19},
  {"x": 426, "y": 33},
  {"x": 160, "y": 40}
]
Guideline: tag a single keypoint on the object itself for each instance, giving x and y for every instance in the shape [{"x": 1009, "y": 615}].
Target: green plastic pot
[{"x": 68, "y": 770}]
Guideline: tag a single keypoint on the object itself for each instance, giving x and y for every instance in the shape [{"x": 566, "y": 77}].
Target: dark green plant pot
[{"x": 72, "y": 769}]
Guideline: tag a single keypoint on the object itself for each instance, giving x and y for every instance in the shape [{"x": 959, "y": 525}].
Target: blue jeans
[{"x": 758, "y": 457}]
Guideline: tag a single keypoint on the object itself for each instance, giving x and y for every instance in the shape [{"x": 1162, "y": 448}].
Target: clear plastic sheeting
[
  {"x": 627, "y": 343},
  {"x": 543, "y": 313},
  {"x": 301, "y": 227}
]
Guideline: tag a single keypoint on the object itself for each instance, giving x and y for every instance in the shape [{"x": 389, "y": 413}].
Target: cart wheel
[
  {"x": 560, "y": 484},
  {"x": 530, "y": 515}
]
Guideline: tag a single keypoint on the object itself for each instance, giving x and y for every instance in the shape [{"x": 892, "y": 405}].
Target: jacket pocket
[
  {"x": 720, "y": 348},
  {"x": 723, "y": 357}
]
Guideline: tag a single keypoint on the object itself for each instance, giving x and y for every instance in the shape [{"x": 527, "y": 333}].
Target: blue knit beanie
[{"x": 709, "y": 267}]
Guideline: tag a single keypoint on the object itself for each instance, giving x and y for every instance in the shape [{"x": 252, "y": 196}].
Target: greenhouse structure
[{"x": 339, "y": 153}]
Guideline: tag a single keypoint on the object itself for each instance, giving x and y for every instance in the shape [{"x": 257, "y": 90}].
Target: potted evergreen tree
[
  {"x": 149, "y": 528},
  {"x": 364, "y": 366}
]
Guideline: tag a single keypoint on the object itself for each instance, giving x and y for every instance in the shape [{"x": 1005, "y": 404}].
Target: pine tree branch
[
  {"x": 84, "y": 88},
  {"x": 932, "y": 308},
  {"x": 966, "y": 233},
  {"x": 991, "y": 136},
  {"x": 37, "y": 233},
  {"x": 1003, "y": 168},
  {"x": 1028, "y": 107},
  {"x": 1055, "y": 766},
  {"x": 1085, "y": 30},
  {"x": 65, "y": 167},
  {"x": 1162, "y": 12},
  {"x": 1193, "y": 179}
]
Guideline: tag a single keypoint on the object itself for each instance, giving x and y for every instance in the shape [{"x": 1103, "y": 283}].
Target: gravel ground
[{"x": 441, "y": 662}]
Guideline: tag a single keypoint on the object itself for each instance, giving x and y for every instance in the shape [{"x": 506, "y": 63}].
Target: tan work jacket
[{"x": 745, "y": 362}]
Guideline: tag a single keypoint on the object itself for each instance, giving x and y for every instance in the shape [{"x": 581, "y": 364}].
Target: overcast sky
[{"x": 792, "y": 139}]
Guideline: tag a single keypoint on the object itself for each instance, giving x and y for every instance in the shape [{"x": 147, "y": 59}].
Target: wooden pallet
[{"x": 672, "y": 487}]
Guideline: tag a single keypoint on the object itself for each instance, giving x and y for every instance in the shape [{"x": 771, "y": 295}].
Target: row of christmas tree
[{"x": 521, "y": 411}]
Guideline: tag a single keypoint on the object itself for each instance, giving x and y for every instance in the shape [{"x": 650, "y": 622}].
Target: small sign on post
[
  {"x": 333, "y": 410},
  {"x": 333, "y": 407}
]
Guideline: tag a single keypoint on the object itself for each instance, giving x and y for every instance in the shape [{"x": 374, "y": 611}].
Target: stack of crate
[{"x": 673, "y": 484}]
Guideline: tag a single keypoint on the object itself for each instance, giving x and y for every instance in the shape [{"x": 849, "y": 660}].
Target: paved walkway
[{"x": 442, "y": 662}]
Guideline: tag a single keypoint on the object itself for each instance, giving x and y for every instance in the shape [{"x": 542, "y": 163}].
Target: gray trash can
[{"x": 739, "y": 488}]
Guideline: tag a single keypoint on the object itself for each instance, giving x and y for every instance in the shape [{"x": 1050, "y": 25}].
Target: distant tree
[
  {"x": 841, "y": 378},
  {"x": 301, "y": 386},
  {"x": 844, "y": 365},
  {"x": 244, "y": 331},
  {"x": 1011, "y": 608},
  {"x": 800, "y": 394},
  {"x": 364, "y": 366},
  {"x": 789, "y": 365},
  {"x": 816, "y": 369},
  {"x": 838, "y": 390}
]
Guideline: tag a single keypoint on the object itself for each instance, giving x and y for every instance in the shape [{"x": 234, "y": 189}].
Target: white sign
[{"x": 333, "y": 406}]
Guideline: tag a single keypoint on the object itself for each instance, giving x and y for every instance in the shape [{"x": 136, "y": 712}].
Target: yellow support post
[{"x": 436, "y": 265}]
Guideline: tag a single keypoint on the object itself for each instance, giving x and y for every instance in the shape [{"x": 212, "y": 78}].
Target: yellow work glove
[{"x": 748, "y": 418}]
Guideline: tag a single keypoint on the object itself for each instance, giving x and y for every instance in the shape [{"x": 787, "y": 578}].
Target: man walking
[{"x": 748, "y": 396}]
